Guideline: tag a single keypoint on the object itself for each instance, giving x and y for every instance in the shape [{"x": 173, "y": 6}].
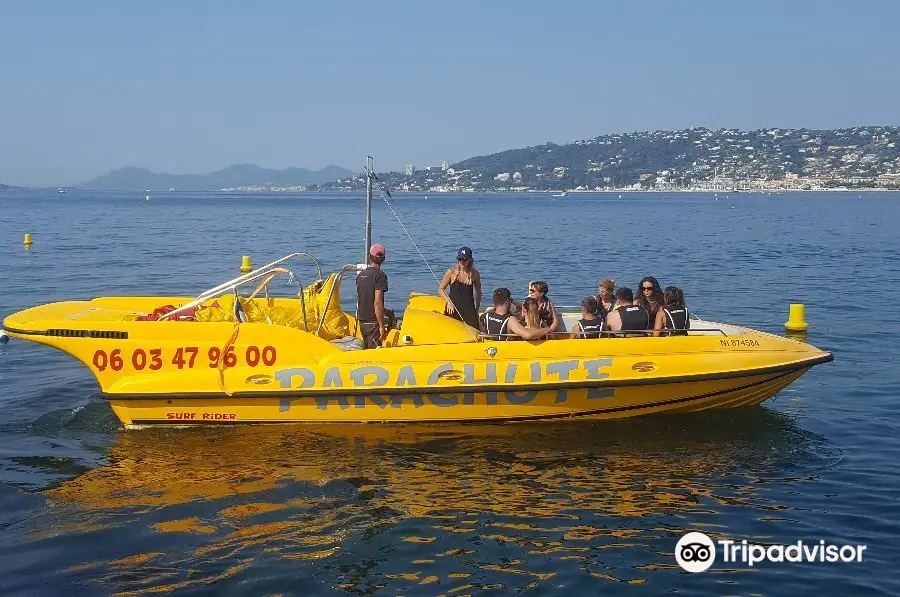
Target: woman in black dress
[{"x": 461, "y": 289}]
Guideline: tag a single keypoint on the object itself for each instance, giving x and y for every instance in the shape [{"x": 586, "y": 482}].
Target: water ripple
[{"x": 574, "y": 508}]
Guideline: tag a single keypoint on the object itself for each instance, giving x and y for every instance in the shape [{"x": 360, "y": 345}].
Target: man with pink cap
[{"x": 371, "y": 284}]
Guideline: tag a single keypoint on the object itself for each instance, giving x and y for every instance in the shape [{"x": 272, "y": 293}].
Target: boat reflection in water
[{"x": 361, "y": 507}]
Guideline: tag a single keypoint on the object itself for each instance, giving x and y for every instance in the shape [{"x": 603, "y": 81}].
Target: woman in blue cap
[{"x": 463, "y": 289}]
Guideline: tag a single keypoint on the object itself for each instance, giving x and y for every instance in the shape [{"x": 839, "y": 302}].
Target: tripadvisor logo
[{"x": 696, "y": 552}]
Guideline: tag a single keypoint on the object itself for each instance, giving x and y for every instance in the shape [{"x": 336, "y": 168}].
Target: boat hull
[
  {"x": 601, "y": 402},
  {"x": 434, "y": 369}
]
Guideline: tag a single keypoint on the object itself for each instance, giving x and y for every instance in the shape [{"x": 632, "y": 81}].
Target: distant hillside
[
  {"x": 238, "y": 175},
  {"x": 689, "y": 158}
]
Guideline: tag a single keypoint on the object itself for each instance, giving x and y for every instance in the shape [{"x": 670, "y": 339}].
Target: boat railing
[
  {"x": 613, "y": 334},
  {"x": 270, "y": 269},
  {"x": 577, "y": 309}
]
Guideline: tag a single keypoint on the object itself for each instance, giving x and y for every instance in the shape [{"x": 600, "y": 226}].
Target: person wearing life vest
[
  {"x": 627, "y": 316},
  {"x": 591, "y": 323},
  {"x": 606, "y": 298},
  {"x": 547, "y": 311},
  {"x": 499, "y": 322},
  {"x": 650, "y": 297},
  {"x": 674, "y": 314}
]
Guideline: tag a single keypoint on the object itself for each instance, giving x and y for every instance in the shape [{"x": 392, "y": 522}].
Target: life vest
[
  {"x": 635, "y": 318},
  {"x": 496, "y": 324},
  {"x": 677, "y": 319},
  {"x": 591, "y": 328}
]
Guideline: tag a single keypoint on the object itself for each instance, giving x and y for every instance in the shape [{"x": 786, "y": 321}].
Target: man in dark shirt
[
  {"x": 627, "y": 316},
  {"x": 371, "y": 284}
]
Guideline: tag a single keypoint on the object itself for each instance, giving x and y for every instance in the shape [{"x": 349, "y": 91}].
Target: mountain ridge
[
  {"x": 130, "y": 178},
  {"x": 697, "y": 158}
]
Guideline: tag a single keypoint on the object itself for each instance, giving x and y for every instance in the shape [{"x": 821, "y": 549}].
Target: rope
[
  {"x": 221, "y": 363},
  {"x": 386, "y": 196}
]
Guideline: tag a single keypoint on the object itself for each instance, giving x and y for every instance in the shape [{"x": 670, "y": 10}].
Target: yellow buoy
[
  {"x": 245, "y": 264},
  {"x": 796, "y": 318},
  {"x": 27, "y": 241}
]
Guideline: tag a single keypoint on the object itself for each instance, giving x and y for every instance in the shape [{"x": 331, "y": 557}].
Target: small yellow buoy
[
  {"x": 245, "y": 264},
  {"x": 27, "y": 241},
  {"x": 796, "y": 321}
]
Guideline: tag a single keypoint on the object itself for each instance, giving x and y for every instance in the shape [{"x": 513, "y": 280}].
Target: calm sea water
[{"x": 573, "y": 508}]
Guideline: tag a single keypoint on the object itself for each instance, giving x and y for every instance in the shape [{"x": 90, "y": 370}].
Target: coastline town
[
  {"x": 691, "y": 160},
  {"x": 695, "y": 159}
]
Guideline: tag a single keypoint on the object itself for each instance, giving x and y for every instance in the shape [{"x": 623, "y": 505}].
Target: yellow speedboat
[{"x": 225, "y": 358}]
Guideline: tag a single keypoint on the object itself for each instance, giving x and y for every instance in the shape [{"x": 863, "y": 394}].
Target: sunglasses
[{"x": 646, "y": 288}]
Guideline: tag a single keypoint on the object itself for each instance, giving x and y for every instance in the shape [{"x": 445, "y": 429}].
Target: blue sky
[{"x": 194, "y": 85}]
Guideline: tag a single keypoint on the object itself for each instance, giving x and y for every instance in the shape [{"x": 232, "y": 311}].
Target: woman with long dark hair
[
  {"x": 674, "y": 313},
  {"x": 650, "y": 297}
]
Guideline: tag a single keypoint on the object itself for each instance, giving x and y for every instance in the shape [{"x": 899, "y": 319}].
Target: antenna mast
[{"x": 370, "y": 172}]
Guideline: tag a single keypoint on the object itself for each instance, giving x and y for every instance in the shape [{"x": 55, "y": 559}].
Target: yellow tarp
[
  {"x": 335, "y": 324},
  {"x": 315, "y": 296}
]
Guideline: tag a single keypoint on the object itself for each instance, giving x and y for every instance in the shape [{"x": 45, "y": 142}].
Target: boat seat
[
  {"x": 567, "y": 321},
  {"x": 426, "y": 302},
  {"x": 429, "y": 327}
]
